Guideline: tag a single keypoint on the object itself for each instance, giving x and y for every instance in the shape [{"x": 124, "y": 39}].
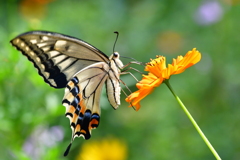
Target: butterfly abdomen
[{"x": 113, "y": 92}]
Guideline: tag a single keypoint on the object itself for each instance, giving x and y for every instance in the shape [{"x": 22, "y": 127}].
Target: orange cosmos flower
[{"x": 158, "y": 72}]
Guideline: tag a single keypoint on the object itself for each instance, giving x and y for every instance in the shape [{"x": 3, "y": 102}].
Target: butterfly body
[{"x": 80, "y": 68}]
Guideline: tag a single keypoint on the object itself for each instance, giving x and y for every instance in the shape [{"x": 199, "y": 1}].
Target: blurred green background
[{"x": 32, "y": 121}]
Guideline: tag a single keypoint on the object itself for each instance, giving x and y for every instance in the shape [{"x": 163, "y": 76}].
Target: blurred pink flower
[{"x": 209, "y": 12}]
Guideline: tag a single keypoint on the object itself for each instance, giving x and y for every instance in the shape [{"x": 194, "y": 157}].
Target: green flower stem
[{"x": 193, "y": 121}]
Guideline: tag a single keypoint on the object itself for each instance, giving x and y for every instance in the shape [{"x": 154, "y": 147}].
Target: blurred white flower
[
  {"x": 208, "y": 13},
  {"x": 41, "y": 139}
]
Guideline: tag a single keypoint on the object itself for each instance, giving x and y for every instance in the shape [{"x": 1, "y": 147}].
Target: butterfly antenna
[{"x": 115, "y": 40}]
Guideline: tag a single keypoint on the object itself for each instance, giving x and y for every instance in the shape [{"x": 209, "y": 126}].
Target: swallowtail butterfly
[{"x": 80, "y": 68}]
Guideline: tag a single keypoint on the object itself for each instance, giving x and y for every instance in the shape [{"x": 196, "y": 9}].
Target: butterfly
[{"x": 82, "y": 69}]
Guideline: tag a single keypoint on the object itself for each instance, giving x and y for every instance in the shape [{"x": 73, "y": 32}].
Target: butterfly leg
[
  {"x": 130, "y": 74},
  {"x": 125, "y": 92},
  {"x": 126, "y": 69},
  {"x": 132, "y": 62}
]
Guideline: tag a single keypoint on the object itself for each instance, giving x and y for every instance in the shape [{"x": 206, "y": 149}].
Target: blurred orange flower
[
  {"x": 158, "y": 72},
  {"x": 33, "y": 9},
  {"x": 170, "y": 41}
]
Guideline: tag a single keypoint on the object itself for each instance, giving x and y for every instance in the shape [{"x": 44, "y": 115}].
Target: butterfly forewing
[{"x": 57, "y": 57}]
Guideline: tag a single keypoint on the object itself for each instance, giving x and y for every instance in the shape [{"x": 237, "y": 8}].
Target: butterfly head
[{"x": 115, "y": 57}]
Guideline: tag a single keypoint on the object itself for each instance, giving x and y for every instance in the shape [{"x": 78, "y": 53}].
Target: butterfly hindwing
[
  {"x": 82, "y": 98},
  {"x": 57, "y": 57}
]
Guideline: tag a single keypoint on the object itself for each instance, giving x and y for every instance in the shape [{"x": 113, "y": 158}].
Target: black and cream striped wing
[{"x": 56, "y": 56}]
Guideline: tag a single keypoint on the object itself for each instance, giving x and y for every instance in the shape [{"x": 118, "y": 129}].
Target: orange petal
[
  {"x": 149, "y": 80},
  {"x": 135, "y": 98},
  {"x": 181, "y": 63}
]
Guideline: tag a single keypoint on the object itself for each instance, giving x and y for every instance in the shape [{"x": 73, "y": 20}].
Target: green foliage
[{"x": 30, "y": 110}]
